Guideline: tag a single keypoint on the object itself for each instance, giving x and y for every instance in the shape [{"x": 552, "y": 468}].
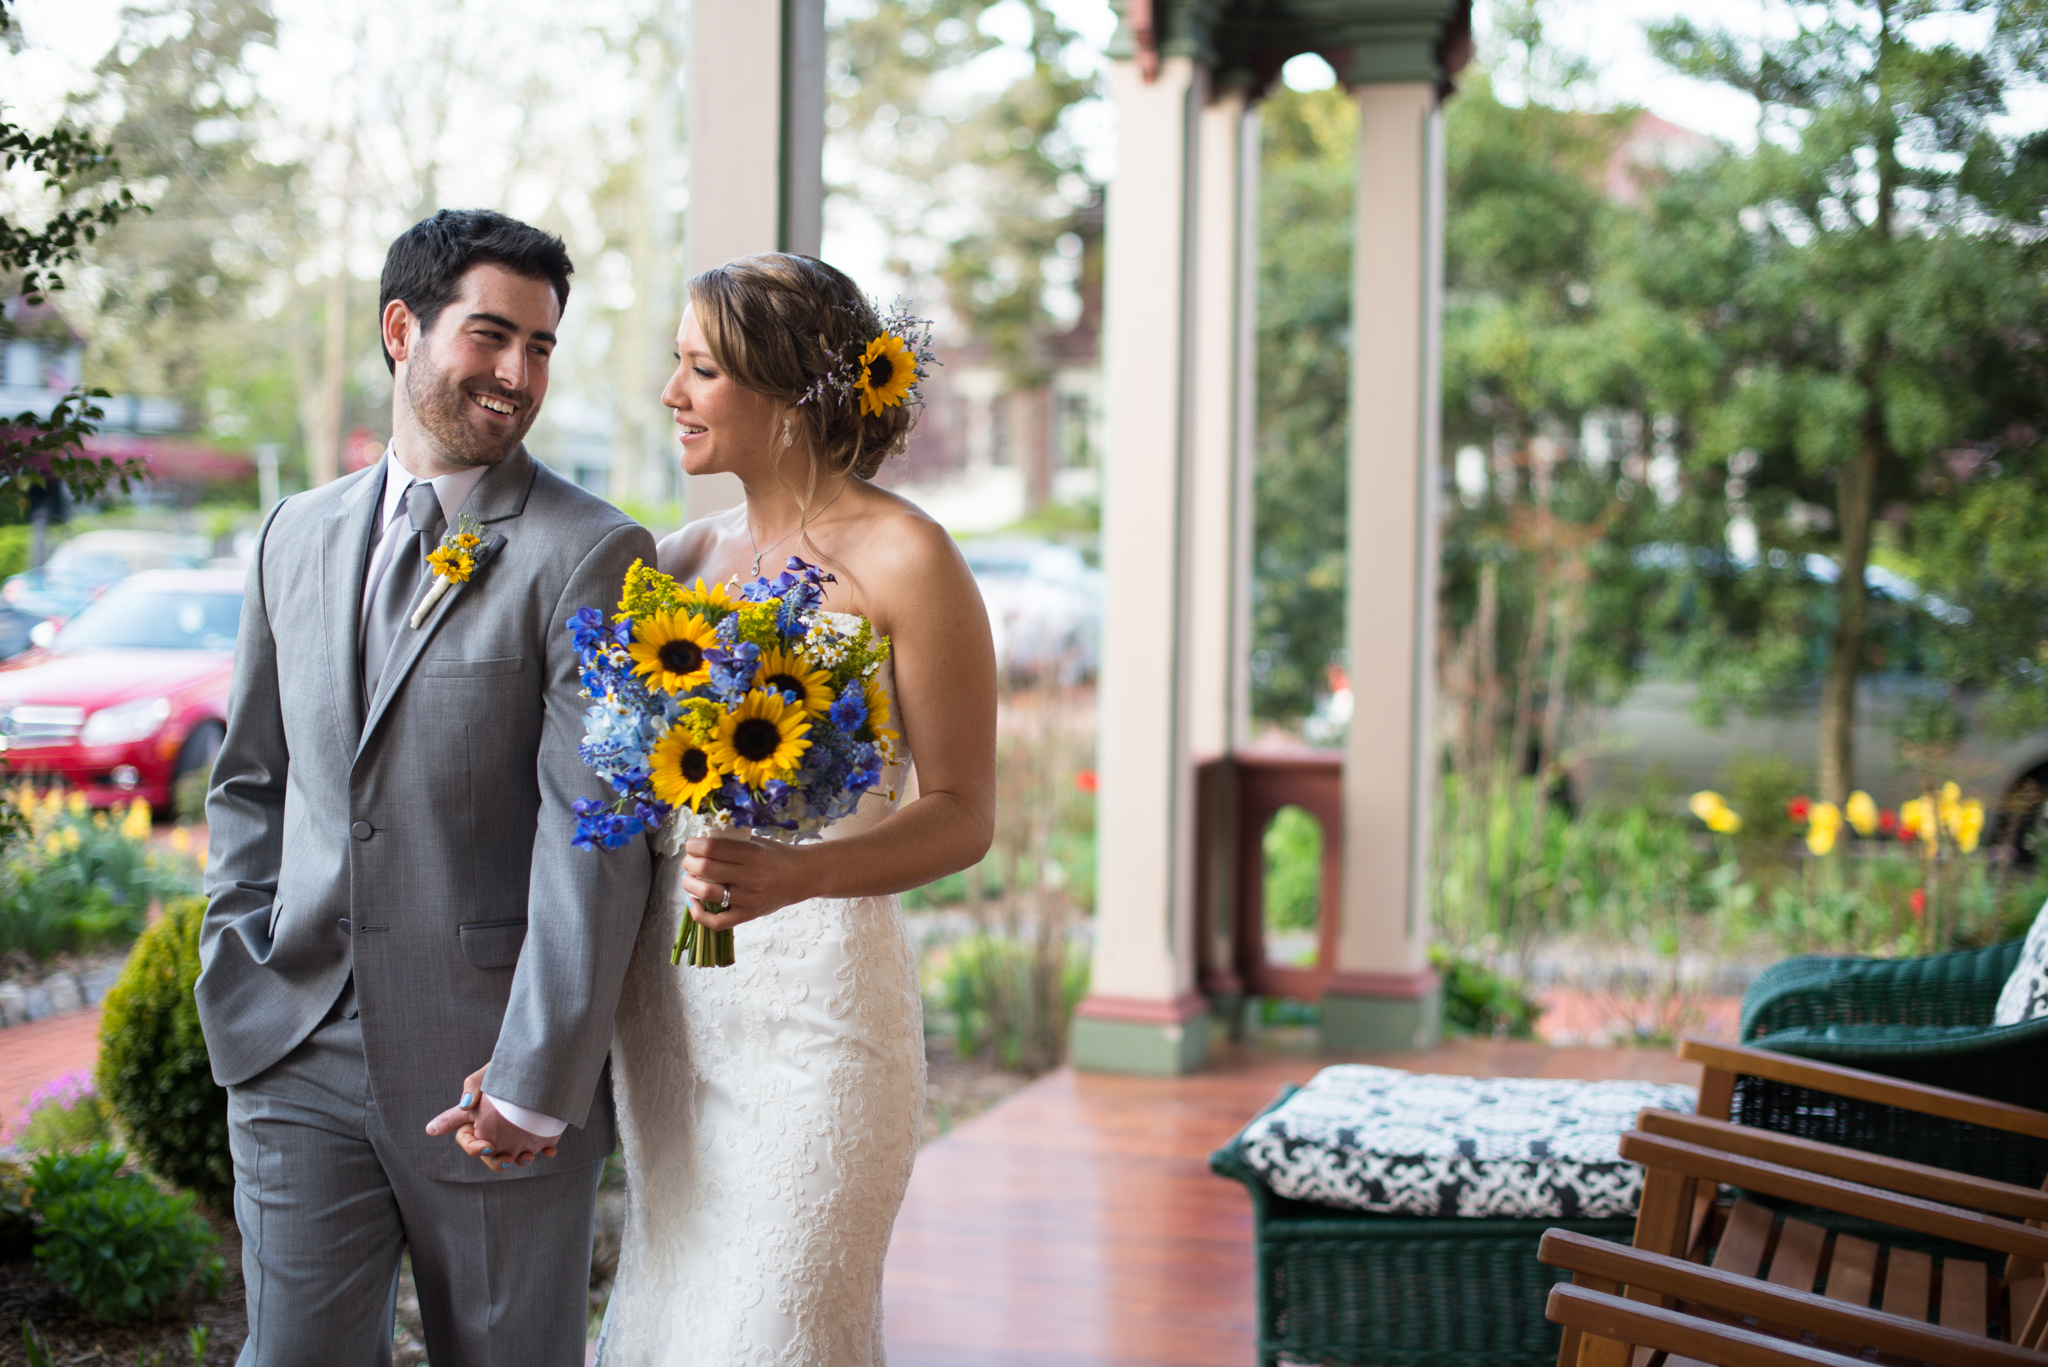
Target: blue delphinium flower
[
  {"x": 732, "y": 671},
  {"x": 851, "y": 709}
]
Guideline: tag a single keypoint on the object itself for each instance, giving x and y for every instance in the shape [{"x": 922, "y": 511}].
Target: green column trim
[
  {"x": 1140, "y": 1047},
  {"x": 1360, "y": 1024}
]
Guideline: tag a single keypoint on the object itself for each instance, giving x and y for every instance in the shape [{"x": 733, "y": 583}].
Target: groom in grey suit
[{"x": 394, "y": 897}]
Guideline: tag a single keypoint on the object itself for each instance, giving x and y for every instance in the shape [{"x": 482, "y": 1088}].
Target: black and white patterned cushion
[
  {"x": 1383, "y": 1140},
  {"x": 2025, "y": 994}
]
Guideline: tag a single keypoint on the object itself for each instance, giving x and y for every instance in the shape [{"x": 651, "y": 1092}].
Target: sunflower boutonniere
[{"x": 459, "y": 556}]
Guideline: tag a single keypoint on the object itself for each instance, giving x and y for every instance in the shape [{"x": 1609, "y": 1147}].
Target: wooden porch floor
[{"x": 1078, "y": 1224}]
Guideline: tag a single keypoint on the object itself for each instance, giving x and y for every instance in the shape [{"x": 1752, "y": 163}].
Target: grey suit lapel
[
  {"x": 344, "y": 555},
  {"x": 498, "y": 497}
]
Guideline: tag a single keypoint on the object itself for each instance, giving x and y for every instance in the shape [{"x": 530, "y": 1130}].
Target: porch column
[
  {"x": 757, "y": 141},
  {"x": 1383, "y": 994},
  {"x": 1142, "y": 1014}
]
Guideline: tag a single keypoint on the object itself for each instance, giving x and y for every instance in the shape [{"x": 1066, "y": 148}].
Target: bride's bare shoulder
[
  {"x": 684, "y": 552},
  {"x": 909, "y": 542}
]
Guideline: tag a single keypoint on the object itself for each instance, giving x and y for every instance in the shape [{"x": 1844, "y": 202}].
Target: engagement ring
[{"x": 725, "y": 899}]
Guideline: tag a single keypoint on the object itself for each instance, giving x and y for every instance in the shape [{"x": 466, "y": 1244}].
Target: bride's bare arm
[{"x": 918, "y": 589}]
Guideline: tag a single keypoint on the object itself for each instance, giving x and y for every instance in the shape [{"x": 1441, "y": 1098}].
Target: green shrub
[
  {"x": 1479, "y": 1001},
  {"x": 153, "y": 1067},
  {"x": 1011, "y": 998},
  {"x": 73, "y": 878},
  {"x": 119, "y": 1246},
  {"x": 64, "y": 1114},
  {"x": 17, "y": 1212},
  {"x": 1293, "y": 847},
  {"x": 14, "y": 547}
]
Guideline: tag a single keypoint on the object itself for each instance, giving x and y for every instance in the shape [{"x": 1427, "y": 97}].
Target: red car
[{"x": 132, "y": 694}]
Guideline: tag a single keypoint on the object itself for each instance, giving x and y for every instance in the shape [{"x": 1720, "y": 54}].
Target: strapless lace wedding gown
[{"x": 769, "y": 1113}]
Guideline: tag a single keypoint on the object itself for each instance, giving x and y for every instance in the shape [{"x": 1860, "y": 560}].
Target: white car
[{"x": 1044, "y": 607}]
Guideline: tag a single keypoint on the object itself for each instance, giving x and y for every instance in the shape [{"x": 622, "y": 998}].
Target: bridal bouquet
[{"x": 712, "y": 710}]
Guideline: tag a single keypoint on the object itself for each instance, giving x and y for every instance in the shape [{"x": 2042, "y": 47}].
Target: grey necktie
[{"x": 391, "y": 598}]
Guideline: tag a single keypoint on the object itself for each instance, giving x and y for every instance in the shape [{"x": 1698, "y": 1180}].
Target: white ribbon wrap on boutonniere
[{"x": 459, "y": 556}]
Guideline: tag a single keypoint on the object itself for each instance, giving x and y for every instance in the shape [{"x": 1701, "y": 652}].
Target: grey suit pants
[{"x": 326, "y": 1208}]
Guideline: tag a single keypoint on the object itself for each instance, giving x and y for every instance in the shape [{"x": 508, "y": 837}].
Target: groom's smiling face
[{"x": 475, "y": 378}]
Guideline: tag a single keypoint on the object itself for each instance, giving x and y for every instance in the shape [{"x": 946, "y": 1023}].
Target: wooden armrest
[
  {"x": 1854, "y": 1082},
  {"x": 1633, "y": 1322},
  {"x": 1831, "y": 1193},
  {"x": 1773, "y": 1304},
  {"x": 1853, "y": 1165}
]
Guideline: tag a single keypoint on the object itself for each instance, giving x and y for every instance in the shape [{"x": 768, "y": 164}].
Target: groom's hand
[{"x": 485, "y": 1135}]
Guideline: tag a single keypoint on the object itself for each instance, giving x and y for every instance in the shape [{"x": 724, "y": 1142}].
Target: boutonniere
[{"x": 460, "y": 555}]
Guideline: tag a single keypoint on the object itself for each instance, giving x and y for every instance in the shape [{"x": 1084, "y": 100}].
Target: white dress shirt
[{"x": 453, "y": 491}]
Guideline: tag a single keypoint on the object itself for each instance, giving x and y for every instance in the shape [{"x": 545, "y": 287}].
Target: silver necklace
[{"x": 760, "y": 550}]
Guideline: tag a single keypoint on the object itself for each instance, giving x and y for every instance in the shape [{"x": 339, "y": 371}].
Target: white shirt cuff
[{"x": 533, "y": 1122}]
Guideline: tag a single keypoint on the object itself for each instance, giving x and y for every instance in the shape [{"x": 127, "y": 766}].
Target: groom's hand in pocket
[{"x": 484, "y": 1134}]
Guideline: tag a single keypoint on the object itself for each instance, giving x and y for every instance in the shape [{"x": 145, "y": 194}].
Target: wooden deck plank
[
  {"x": 1077, "y": 1223},
  {"x": 1965, "y": 1286}
]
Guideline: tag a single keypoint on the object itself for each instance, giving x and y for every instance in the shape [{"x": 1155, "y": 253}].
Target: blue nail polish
[
  {"x": 467, "y": 1099},
  {"x": 486, "y": 1151}
]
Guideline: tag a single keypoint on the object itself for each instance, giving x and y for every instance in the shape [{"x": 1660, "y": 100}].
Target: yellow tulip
[
  {"x": 1918, "y": 818},
  {"x": 135, "y": 825},
  {"x": 1711, "y": 808},
  {"x": 1969, "y": 825},
  {"x": 76, "y": 806},
  {"x": 1823, "y": 823},
  {"x": 1862, "y": 813}
]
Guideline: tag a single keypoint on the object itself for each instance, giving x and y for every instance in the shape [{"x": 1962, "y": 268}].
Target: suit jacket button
[
  {"x": 361, "y": 830},
  {"x": 343, "y": 923}
]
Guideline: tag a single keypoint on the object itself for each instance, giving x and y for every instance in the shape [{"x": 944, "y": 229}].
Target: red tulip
[
  {"x": 1887, "y": 821},
  {"x": 1085, "y": 780},
  {"x": 1798, "y": 807},
  {"x": 1918, "y": 901}
]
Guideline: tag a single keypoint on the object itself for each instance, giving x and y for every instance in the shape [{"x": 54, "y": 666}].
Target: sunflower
[
  {"x": 702, "y": 599},
  {"x": 682, "y": 770},
  {"x": 887, "y": 371},
  {"x": 761, "y": 739},
  {"x": 878, "y": 712},
  {"x": 668, "y": 649},
  {"x": 784, "y": 671}
]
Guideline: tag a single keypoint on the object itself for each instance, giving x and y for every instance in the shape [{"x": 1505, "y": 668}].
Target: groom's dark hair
[{"x": 426, "y": 264}]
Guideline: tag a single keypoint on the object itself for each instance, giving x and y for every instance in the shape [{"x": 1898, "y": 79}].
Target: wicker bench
[{"x": 1350, "y": 1288}]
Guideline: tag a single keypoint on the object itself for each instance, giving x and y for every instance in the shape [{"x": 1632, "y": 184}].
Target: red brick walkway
[{"x": 32, "y": 1054}]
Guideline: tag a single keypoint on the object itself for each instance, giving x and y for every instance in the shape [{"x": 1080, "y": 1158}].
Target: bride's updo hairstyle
[{"x": 778, "y": 324}]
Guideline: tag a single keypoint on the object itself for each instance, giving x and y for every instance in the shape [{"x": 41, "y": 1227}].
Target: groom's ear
[{"x": 400, "y": 330}]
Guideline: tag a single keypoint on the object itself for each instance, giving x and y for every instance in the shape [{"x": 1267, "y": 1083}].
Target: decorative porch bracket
[{"x": 1180, "y": 262}]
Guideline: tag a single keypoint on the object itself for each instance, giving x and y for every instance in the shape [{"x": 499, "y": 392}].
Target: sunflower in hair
[
  {"x": 682, "y": 769},
  {"x": 887, "y": 372},
  {"x": 668, "y": 650},
  {"x": 784, "y": 671},
  {"x": 761, "y": 739}
]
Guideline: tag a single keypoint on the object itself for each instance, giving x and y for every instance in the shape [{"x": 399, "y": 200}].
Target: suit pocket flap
[
  {"x": 473, "y": 669},
  {"x": 492, "y": 944}
]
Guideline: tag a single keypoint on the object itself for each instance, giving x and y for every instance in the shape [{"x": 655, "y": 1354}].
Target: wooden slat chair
[
  {"x": 1689, "y": 1158},
  {"x": 1719, "y": 1318}
]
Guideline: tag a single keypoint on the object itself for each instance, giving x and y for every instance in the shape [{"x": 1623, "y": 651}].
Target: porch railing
[{"x": 1237, "y": 797}]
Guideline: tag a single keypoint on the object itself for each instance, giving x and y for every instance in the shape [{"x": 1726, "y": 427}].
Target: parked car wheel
[{"x": 199, "y": 749}]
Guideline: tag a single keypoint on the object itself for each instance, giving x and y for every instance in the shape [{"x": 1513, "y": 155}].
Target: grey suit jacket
[{"x": 421, "y": 837}]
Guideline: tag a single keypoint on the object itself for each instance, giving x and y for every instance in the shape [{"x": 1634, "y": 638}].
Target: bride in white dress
[{"x": 770, "y": 1110}]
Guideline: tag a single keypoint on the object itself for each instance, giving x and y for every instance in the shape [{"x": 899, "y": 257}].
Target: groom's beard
[{"x": 441, "y": 408}]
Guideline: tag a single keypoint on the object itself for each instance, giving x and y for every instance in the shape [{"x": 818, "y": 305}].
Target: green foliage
[
  {"x": 65, "y": 1125},
  {"x": 1762, "y": 787},
  {"x": 17, "y": 1211},
  {"x": 80, "y": 175},
  {"x": 1849, "y": 335},
  {"x": 72, "y": 878},
  {"x": 1479, "y": 1001},
  {"x": 153, "y": 1067},
  {"x": 1027, "y": 217},
  {"x": 14, "y": 548},
  {"x": 1009, "y": 999},
  {"x": 1293, "y": 848},
  {"x": 118, "y": 1245},
  {"x": 1298, "y": 573}
]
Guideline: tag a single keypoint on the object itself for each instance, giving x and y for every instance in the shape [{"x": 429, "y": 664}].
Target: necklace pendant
[{"x": 756, "y": 571}]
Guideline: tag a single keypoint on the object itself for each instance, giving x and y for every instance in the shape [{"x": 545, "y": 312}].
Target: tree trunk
[{"x": 1853, "y": 509}]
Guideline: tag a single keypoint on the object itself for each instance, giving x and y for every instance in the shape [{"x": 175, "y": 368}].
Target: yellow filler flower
[
  {"x": 785, "y": 672},
  {"x": 887, "y": 371},
  {"x": 668, "y": 650},
  {"x": 682, "y": 770},
  {"x": 761, "y": 739}
]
